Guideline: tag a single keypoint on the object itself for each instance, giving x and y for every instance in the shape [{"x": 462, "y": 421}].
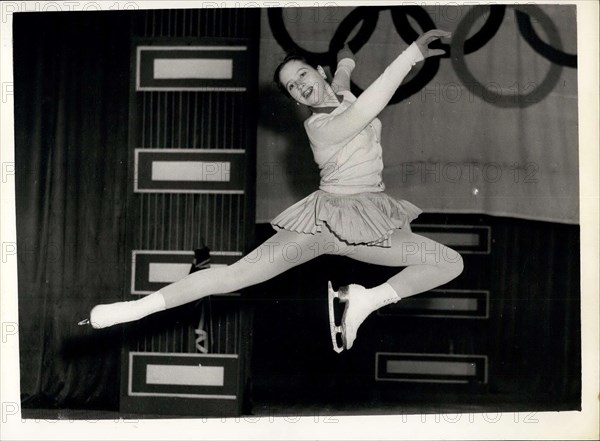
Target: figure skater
[{"x": 348, "y": 215}]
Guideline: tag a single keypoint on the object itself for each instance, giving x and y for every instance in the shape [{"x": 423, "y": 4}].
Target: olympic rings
[
  {"x": 555, "y": 55},
  {"x": 487, "y": 31},
  {"x": 370, "y": 16},
  {"x": 367, "y": 17},
  {"x": 498, "y": 99},
  {"x": 406, "y": 32}
]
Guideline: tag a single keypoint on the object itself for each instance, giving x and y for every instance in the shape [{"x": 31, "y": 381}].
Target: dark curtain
[
  {"x": 71, "y": 122},
  {"x": 535, "y": 313}
]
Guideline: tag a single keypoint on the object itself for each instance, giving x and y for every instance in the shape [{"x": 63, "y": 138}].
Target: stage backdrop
[{"x": 492, "y": 128}]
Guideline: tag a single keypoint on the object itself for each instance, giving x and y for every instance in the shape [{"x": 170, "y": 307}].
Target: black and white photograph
[{"x": 294, "y": 220}]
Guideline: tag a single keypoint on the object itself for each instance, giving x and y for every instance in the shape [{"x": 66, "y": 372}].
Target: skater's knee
[
  {"x": 459, "y": 265},
  {"x": 452, "y": 262}
]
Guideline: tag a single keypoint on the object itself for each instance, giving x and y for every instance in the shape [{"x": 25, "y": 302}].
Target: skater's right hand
[
  {"x": 345, "y": 52},
  {"x": 424, "y": 39}
]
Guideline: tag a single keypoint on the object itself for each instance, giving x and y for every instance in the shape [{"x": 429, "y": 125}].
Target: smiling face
[{"x": 303, "y": 83}]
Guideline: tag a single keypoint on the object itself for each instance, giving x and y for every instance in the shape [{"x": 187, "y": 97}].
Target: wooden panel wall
[{"x": 179, "y": 220}]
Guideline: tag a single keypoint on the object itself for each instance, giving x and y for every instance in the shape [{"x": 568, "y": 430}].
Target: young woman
[{"x": 349, "y": 215}]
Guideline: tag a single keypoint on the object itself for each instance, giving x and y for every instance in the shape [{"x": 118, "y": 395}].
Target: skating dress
[{"x": 345, "y": 141}]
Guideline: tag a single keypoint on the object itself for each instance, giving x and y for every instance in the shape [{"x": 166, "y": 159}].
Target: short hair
[{"x": 286, "y": 60}]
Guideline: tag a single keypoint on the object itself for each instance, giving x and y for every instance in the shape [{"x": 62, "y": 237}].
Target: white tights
[{"x": 428, "y": 264}]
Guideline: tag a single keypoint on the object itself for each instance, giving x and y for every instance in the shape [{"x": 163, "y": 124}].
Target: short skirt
[{"x": 357, "y": 219}]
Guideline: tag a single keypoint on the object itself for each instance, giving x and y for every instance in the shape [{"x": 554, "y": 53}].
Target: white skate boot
[
  {"x": 103, "y": 316},
  {"x": 359, "y": 304}
]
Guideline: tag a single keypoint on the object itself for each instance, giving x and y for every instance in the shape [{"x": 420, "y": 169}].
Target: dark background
[{"x": 72, "y": 118}]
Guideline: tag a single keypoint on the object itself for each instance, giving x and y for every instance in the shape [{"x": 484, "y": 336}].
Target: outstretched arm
[
  {"x": 345, "y": 66},
  {"x": 373, "y": 100}
]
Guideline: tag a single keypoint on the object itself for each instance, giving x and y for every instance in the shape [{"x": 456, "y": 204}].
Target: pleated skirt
[{"x": 357, "y": 219}]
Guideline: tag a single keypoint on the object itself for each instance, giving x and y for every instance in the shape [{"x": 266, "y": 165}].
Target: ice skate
[
  {"x": 336, "y": 329},
  {"x": 101, "y": 316},
  {"x": 359, "y": 304},
  {"x": 356, "y": 302}
]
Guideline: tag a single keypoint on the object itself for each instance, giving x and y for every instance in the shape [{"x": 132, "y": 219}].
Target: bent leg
[{"x": 429, "y": 264}]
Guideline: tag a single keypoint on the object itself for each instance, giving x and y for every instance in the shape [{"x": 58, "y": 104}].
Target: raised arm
[
  {"x": 345, "y": 66},
  {"x": 373, "y": 100}
]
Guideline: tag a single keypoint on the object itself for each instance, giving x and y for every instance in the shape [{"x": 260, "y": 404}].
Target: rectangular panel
[
  {"x": 200, "y": 171},
  {"x": 185, "y": 375},
  {"x": 153, "y": 269},
  {"x": 219, "y": 67},
  {"x": 465, "y": 239},
  {"x": 442, "y": 303},
  {"x": 190, "y": 171},
  {"x": 430, "y": 368},
  {"x": 209, "y": 376},
  {"x": 167, "y": 272},
  {"x": 197, "y": 69},
  {"x": 187, "y": 200},
  {"x": 462, "y": 239}
]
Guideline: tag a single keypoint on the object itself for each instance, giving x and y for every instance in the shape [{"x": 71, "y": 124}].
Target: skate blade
[
  {"x": 333, "y": 328},
  {"x": 84, "y": 322}
]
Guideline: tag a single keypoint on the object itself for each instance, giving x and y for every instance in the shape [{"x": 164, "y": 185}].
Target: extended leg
[{"x": 281, "y": 252}]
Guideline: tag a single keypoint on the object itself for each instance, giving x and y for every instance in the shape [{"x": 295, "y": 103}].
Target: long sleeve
[
  {"x": 341, "y": 79},
  {"x": 345, "y": 66},
  {"x": 345, "y": 126}
]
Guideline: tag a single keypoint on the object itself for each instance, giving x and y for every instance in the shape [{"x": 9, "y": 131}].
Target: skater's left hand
[{"x": 424, "y": 39}]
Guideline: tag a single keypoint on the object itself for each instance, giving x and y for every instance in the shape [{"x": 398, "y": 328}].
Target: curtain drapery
[{"x": 71, "y": 117}]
